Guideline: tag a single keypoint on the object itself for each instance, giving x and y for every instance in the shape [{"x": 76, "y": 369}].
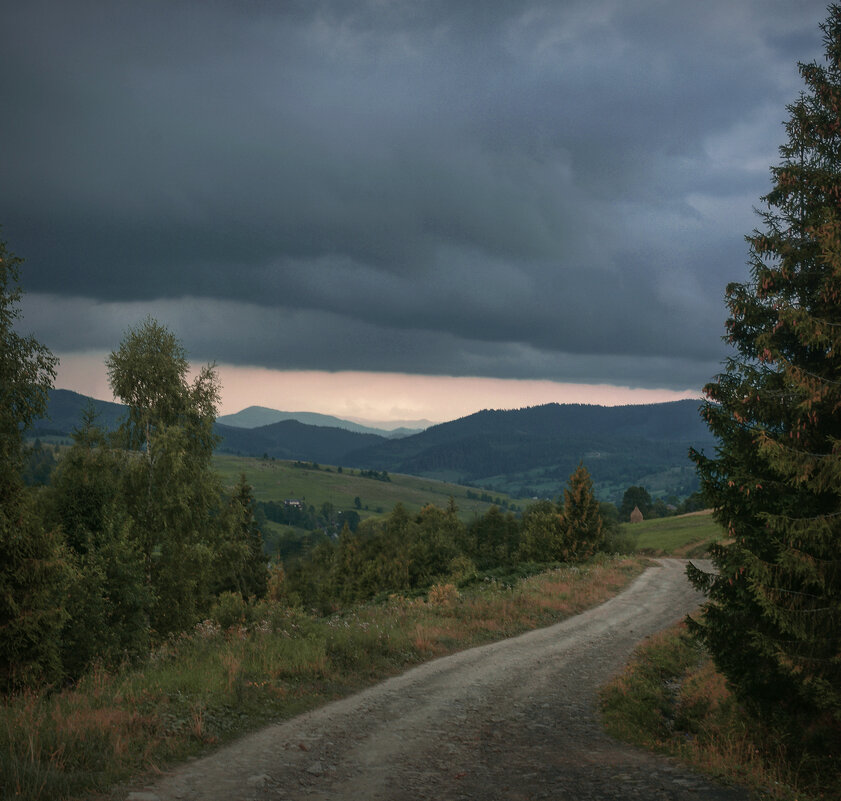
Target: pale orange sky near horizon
[{"x": 376, "y": 397}]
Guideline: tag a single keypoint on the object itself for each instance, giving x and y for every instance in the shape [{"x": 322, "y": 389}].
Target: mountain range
[
  {"x": 256, "y": 416},
  {"x": 532, "y": 451},
  {"x": 525, "y": 452}
]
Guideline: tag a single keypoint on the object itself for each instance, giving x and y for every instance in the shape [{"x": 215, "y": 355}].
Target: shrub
[
  {"x": 444, "y": 595},
  {"x": 230, "y": 610}
]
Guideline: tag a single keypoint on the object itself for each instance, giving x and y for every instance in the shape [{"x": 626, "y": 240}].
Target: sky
[{"x": 395, "y": 210}]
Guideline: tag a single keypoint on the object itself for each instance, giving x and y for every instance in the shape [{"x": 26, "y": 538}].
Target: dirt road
[{"x": 514, "y": 720}]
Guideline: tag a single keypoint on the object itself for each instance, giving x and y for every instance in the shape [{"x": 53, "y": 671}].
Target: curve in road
[{"x": 514, "y": 720}]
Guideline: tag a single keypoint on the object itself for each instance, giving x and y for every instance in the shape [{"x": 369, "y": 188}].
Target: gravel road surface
[{"x": 514, "y": 720}]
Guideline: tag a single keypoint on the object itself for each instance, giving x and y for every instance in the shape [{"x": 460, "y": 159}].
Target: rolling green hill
[
  {"x": 275, "y": 480},
  {"x": 338, "y": 497},
  {"x": 683, "y": 536}
]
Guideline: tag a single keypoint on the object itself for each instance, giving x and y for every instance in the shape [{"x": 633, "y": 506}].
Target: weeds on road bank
[
  {"x": 270, "y": 662},
  {"x": 671, "y": 698}
]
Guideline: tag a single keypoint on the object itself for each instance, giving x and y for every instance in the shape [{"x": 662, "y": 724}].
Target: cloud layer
[{"x": 509, "y": 189}]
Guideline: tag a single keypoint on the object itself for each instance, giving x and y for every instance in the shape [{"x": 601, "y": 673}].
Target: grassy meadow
[
  {"x": 274, "y": 480},
  {"x": 683, "y": 536}
]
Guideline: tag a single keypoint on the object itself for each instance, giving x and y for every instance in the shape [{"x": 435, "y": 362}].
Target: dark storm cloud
[{"x": 516, "y": 189}]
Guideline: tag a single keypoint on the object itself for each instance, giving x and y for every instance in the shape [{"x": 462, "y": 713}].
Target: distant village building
[
  {"x": 636, "y": 515},
  {"x": 294, "y": 503}
]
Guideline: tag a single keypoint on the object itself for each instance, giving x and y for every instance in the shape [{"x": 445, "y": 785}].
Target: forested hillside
[
  {"x": 289, "y": 439},
  {"x": 257, "y": 416},
  {"x": 526, "y": 452},
  {"x": 523, "y": 452},
  {"x": 64, "y": 413}
]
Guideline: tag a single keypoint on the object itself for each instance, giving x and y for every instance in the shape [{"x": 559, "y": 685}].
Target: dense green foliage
[
  {"x": 134, "y": 538},
  {"x": 582, "y": 520},
  {"x": 404, "y": 553},
  {"x": 170, "y": 491},
  {"x": 242, "y": 563},
  {"x": 40, "y": 463},
  {"x": 31, "y": 558},
  {"x": 108, "y": 598},
  {"x": 773, "y": 619},
  {"x": 635, "y": 497}
]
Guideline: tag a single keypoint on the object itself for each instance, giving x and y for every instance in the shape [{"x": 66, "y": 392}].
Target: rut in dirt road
[{"x": 513, "y": 720}]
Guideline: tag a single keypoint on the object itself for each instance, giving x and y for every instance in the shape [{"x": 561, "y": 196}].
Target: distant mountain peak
[{"x": 258, "y": 416}]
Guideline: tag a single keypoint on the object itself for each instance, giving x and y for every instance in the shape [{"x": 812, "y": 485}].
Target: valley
[
  {"x": 316, "y": 485},
  {"x": 520, "y": 453}
]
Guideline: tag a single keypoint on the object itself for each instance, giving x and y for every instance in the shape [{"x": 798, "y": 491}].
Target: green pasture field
[
  {"x": 684, "y": 535},
  {"x": 274, "y": 480}
]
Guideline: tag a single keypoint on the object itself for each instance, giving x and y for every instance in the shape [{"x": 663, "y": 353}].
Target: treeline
[
  {"x": 40, "y": 463},
  {"x": 402, "y": 552},
  {"x": 486, "y": 497},
  {"x": 134, "y": 539},
  {"x": 376, "y": 475},
  {"x": 326, "y": 521},
  {"x": 294, "y": 514},
  {"x": 640, "y": 498}
]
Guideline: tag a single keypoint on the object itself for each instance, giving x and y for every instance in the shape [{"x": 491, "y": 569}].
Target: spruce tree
[
  {"x": 582, "y": 520},
  {"x": 773, "y": 616}
]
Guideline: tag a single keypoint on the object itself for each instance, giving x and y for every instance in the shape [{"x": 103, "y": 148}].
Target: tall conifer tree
[
  {"x": 773, "y": 618},
  {"x": 582, "y": 520}
]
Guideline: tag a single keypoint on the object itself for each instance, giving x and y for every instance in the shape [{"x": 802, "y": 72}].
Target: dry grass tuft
[
  {"x": 445, "y": 595},
  {"x": 671, "y": 698}
]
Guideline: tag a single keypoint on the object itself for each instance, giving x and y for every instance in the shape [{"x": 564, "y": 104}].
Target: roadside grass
[
  {"x": 671, "y": 699},
  {"x": 273, "y": 662},
  {"x": 683, "y": 536}
]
